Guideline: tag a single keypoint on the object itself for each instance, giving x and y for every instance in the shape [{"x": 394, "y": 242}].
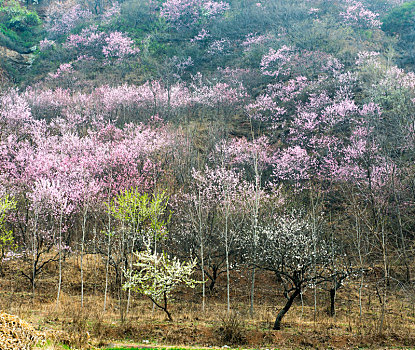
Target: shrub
[
  {"x": 231, "y": 330},
  {"x": 18, "y": 18}
]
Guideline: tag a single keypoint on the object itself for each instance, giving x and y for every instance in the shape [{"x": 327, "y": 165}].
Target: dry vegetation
[
  {"x": 68, "y": 324},
  {"x": 18, "y": 334}
]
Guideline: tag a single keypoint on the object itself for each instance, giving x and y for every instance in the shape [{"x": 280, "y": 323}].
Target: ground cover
[
  {"x": 70, "y": 326},
  {"x": 151, "y": 348}
]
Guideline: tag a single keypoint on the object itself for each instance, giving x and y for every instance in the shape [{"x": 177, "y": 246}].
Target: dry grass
[{"x": 72, "y": 325}]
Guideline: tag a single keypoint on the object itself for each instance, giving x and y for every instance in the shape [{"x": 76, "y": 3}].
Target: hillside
[{"x": 257, "y": 153}]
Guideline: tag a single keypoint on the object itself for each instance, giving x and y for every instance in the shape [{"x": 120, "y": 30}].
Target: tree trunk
[
  {"x": 131, "y": 268},
  {"x": 255, "y": 226},
  {"x": 165, "y": 308},
  {"x": 82, "y": 255},
  {"x": 281, "y": 314},
  {"x": 60, "y": 257},
  {"x": 386, "y": 280},
  {"x": 332, "y": 301},
  {"x": 214, "y": 278},
  {"x": 251, "y": 309},
  {"x": 34, "y": 255},
  {"x": 106, "y": 271},
  {"x": 203, "y": 275},
  {"x": 162, "y": 306},
  {"x": 202, "y": 251},
  {"x": 228, "y": 300},
  {"x": 212, "y": 285}
]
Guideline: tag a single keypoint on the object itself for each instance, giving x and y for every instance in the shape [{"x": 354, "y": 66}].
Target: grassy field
[
  {"x": 70, "y": 326},
  {"x": 153, "y": 348},
  {"x": 144, "y": 348}
]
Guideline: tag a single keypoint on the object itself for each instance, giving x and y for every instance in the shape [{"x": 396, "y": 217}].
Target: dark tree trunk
[
  {"x": 214, "y": 278},
  {"x": 164, "y": 306},
  {"x": 277, "y": 324},
  {"x": 332, "y": 301}
]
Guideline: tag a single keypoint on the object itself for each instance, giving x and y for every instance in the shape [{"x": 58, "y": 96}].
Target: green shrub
[
  {"x": 399, "y": 19},
  {"x": 16, "y": 17}
]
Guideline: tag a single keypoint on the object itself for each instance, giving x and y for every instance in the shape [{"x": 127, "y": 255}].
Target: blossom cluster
[
  {"x": 254, "y": 39},
  {"x": 187, "y": 13},
  {"x": 357, "y": 14},
  {"x": 59, "y": 24},
  {"x": 94, "y": 43}
]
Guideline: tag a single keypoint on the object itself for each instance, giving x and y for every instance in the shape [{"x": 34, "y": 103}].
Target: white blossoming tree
[
  {"x": 142, "y": 220},
  {"x": 297, "y": 253},
  {"x": 157, "y": 275}
]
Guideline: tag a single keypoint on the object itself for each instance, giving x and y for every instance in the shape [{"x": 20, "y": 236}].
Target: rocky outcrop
[
  {"x": 13, "y": 58},
  {"x": 4, "y": 79}
]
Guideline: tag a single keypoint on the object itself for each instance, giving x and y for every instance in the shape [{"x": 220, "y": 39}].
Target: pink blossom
[
  {"x": 218, "y": 46},
  {"x": 244, "y": 152},
  {"x": 357, "y": 14},
  {"x": 253, "y": 39},
  {"x": 364, "y": 57},
  {"x": 111, "y": 13},
  {"x": 292, "y": 164},
  {"x": 222, "y": 188},
  {"x": 64, "y": 69},
  {"x": 15, "y": 113},
  {"x": 89, "y": 38},
  {"x": 313, "y": 10},
  {"x": 212, "y": 9},
  {"x": 289, "y": 90},
  {"x": 278, "y": 58},
  {"x": 187, "y": 13},
  {"x": 216, "y": 94},
  {"x": 46, "y": 44},
  {"x": 119, "y": 46},
  {"x": 203, "y": 34},
  {"x": 60, "y": 22},
  {"x": 289, "y": 61},
  {"x": 265, "y": 109},
  {"x": 92, "y": 43}
]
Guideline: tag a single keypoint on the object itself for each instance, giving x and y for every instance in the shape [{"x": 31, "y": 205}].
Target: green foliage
[
  {"x": 285, "y": 22},
  {"x": 8, "y": 33},
  {"x": 400, "y": 20},
  {"x": 138, "y": 18},
  {"x": 18, "y": 41},
  {"x": 6, "y": 236},
  {"x": 144, "y": 213},
  {"x": 19, "y": 28},
  {"x": 156, "y": 275},
  {"x": 18, "y": 18},
  {"x": 6, "y": 204},
  {"x": 381, "y": 85}
]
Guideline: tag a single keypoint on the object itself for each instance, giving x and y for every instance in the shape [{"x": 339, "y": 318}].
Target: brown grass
[{"x": 70, "y": 324}]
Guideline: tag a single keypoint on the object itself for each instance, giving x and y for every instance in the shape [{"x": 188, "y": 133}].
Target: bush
[
  {"x": 231, "y": 330},
  {"x": 18, "y": 18},
  {"x": 400, "y": 19}
]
